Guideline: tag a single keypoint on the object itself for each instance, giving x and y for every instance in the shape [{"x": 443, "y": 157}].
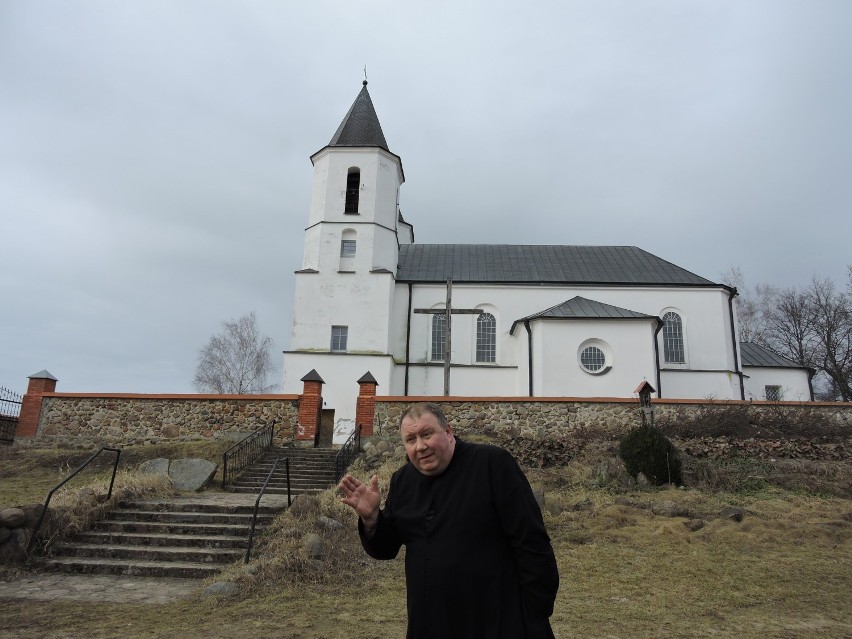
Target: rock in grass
[
  {"x": 12, "y": 517},
  {"x": 191, "y": 474},
  {"x": 158, "y": 466},
  {"x": 222, "y": 589},
  {"x": 733, "y": 513}
]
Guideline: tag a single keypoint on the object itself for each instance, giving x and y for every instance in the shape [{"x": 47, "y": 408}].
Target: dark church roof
[
  {"x": 755, "y": 355},
  {"x": 583, "y": 308},
  {"x": 361, "y": 125},
  {"x": 539, "y": 264}
]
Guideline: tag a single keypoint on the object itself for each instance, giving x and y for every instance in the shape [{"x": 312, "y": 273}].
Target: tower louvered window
[{"x": 353, "y": 188}]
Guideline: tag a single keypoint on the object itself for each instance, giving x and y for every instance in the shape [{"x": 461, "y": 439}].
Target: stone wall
[
  {"x": 76, "y": 420},
  {"x": 606, "y": 419}
]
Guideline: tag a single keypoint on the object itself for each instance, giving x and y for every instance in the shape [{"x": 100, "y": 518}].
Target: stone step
[
  {"x": 260, "y": 471},
  {"x": 174, "y": 528},
  {"x": 187, "y": 517},
  {"x": 150, "y": 553},
  {"x": 162, "y": 539},
  {"x": 135, "y": 568},
  {"x": 282, "y": 481},
  {"x": 184, "y": 505},
  {"x": 275, "y": 490},
  {"x": 189, "y": 537}
]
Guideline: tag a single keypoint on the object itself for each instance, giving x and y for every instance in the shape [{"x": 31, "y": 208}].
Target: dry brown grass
[{"x": 783, "y": 571}]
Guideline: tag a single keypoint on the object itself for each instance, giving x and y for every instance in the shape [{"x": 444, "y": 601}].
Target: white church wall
[
  {"x": 360, "y": 303},
  {"x": 627, "y": 346},
  {"x": 482, "y": 380},
  {"x": 793, "y": 383},
  {"x": 704, "y": 313},
  {"x": 682, "y": 384},
  {"x": 340, "y": 374}
]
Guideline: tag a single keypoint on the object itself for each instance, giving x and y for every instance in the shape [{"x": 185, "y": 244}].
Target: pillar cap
[
  {"x": 313, "y": 376},
  {"x": 367, "y": 378},
  {"x": 42, "y": 374}
]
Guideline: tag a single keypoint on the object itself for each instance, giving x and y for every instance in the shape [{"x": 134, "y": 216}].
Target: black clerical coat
[{"x": 478, "y": 560}]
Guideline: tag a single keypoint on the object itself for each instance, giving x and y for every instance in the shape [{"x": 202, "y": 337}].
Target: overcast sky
[{"x": 154, "y": 155}]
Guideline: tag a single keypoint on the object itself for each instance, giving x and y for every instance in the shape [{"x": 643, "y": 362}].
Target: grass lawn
[{"x": 784, "y": 571}]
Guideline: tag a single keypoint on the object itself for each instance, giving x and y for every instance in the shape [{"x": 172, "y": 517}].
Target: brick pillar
[
  {"x": 365, "y": 406},
  {"x": 39, "y": 384},
  {"x": 310, "y": 405}
]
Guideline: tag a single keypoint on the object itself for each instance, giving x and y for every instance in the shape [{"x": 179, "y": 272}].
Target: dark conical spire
[{"x": 361, "y": 125}]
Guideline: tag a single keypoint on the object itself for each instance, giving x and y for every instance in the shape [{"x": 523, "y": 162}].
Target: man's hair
[{"x": 418, "y": 410}]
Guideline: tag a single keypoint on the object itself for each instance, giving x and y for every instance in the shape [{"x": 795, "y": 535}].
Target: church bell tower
[{"x": 344, "y": 290}]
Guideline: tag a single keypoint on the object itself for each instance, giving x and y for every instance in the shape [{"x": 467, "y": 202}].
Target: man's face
[{"x": 428, "y": 445}]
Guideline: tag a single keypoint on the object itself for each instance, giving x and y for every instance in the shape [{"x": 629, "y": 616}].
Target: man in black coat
[{"x": 478, "y": 560}]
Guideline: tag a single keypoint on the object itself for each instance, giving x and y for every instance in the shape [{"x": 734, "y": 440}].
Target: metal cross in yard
[{"x": 449, "y": 311}]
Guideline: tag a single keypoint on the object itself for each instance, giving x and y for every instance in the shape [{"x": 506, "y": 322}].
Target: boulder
[
  {"x": 733, "y": 513},
  {"x": 669, "y": 509},
  {"x": 222, "y": 589},
  {"x": 14, "y": 549},
  {"x": 328, "y": 523},
  {"x": 12, "y": 517},
  {"x": 159, "y": 466},
  {"x": 312, "y": 543},
  {"x": 191, "y": 474},
  {"x": 694, "y": 524}
]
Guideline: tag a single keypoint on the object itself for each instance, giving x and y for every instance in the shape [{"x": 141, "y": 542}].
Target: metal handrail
[
  {"x": 260, "y": 494},
  {"x": 117, "y": 452},
  {"x": 347, "y": 453},
  {"x": 246, "y": 451}
]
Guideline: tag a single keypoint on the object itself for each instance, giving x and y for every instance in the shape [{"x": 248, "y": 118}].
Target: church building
[{"x": 524, "y": 320}]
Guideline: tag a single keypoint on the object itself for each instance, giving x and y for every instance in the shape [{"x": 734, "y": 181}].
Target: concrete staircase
[
  {"x": 311, "y": 471},
  {"x": 194, "y": 536}
]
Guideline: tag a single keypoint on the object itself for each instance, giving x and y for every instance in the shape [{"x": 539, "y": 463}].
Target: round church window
[{"x": 592, "y": 359}]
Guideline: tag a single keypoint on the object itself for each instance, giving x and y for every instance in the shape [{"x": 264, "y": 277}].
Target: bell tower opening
[{"x": 353, "y": 187}]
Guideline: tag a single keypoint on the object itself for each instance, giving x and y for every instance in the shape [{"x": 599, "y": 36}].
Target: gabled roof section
[
  {"x": 583, "y": 308},
  {"x": 540, "y": 264},
  {"x": 361, "y": 125},
  {"x": 756, "y": 355}
]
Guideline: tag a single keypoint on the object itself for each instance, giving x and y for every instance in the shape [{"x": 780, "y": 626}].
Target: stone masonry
[{"x": 88, "y": 421}]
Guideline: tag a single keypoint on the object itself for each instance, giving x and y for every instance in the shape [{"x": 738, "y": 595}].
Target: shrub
[{"x": 648, "y": 451}]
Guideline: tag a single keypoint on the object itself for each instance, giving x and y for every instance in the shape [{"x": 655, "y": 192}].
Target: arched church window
[
  {"x": 673, "y": 348},
  {"x": 439, "y": 337},
  {"x": 353, "y": 189},
  {"x": 486, "y": 338}
]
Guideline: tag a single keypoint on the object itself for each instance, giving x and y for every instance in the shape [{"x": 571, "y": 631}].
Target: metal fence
[{"x": 10, "y": 409}]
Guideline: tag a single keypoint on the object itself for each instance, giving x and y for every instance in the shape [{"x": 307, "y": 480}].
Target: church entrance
[{"x": 325, "y": 429}]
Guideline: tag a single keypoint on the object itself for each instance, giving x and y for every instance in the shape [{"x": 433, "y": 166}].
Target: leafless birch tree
[{"x": 235, "y": 361}]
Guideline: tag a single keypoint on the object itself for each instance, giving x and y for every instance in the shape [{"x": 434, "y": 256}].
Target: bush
[{"x": 648, "y": 451}]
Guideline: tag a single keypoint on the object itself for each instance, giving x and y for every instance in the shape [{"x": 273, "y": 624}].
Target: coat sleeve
[
  {"x": 523, "y": 525},
  {"x": 385, "y": 542}
]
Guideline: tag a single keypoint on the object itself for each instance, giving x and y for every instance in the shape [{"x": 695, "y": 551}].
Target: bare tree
[
  {"x": 832, "y": 328},
  {"x": 235, "y": 361},
  {"x": 750, "y": 305},
  {"x": 812, "y": 326}
]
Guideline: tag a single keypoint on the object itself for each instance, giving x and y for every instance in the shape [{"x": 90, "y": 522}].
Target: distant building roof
[
  {"x": 756, "y": 355},
  {"x": 361, "y": 125},
  {"x": 540, "y": 264},
  {"x": 582, "y": 308}
]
